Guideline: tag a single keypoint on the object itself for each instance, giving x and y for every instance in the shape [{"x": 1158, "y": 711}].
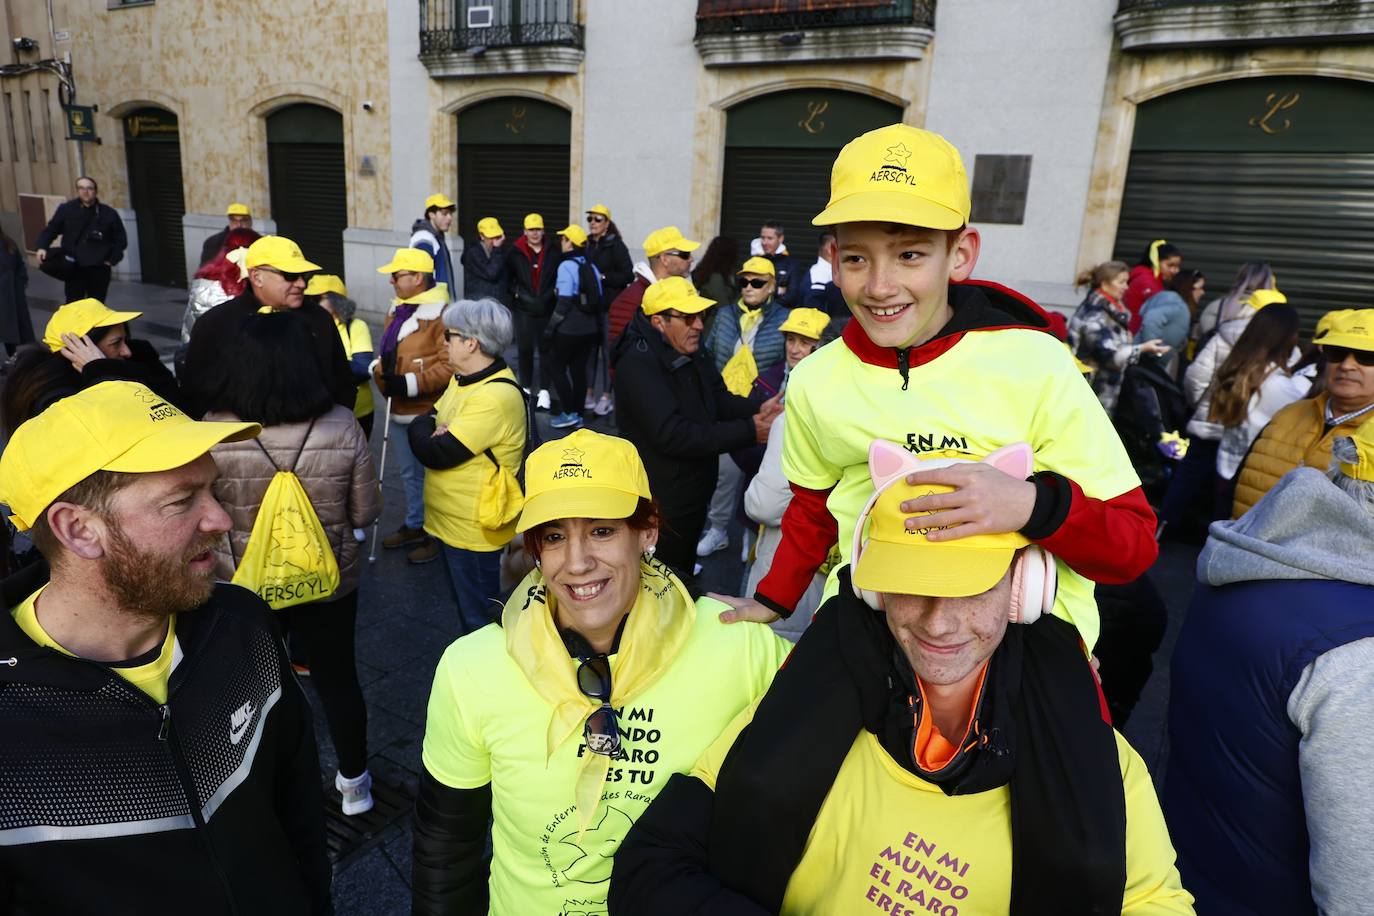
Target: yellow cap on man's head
[
  {"x": 325, "y": 283},
  {"x": 758, "y": 265},
  {"x": 675, "y": 293},
  {"x": 438, "y": 202},
  {"x": 583, "y": 475},
  {"x": 1349, "y": 328},
  {"x": 112, "y": 426},
  {"x": 898, "y": 174},
  {"x": 414, "y": 259},
  {"x": 81, "y": 317},
  {"x": 668, "y": 238},
  {"x": 534, "y": 221},
  {"x": 278, "y": 252},
  {"x": 806, "y": 322},
  {"x": 489, "y": 228},
  {"x": 575, "y": 234},
  {"x": 237, "y": 209}
]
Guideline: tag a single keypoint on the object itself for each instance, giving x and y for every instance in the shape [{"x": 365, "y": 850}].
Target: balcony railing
[
  {"x": 447, "y": 26},
  {"x": 1153, "y": 25},
  {"x": 731, "y": 17}
]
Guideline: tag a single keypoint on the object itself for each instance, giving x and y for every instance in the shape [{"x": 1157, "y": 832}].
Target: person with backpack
[
  {"x": 472, "y": 444},
  {"x": 306, "y": 434},
  {"x": 574, "y": 329}
]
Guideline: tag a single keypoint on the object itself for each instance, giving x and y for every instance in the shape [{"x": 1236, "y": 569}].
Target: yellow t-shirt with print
[
  {"x": 151, "y": 677},
  {"x": 487, "y": 724},
  {"x": 991, "y": 389},
  {"x": 357, "y": 338},
  {"x": 481, "y": 415},
  {"x": 888, "y": 842}
]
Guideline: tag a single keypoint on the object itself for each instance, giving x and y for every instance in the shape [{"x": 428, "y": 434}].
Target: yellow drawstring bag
[
  {"x": 502, "y": 497},
  {"x": 288, "y": 560}
]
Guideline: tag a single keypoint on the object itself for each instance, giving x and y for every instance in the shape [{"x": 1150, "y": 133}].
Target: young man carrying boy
[{"x": 940, "y": 363}]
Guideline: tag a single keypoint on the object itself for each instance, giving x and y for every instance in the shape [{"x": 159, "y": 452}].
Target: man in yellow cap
[
  {"x": 956, "y": 752},
  {"x": 484, "y": 264},
  {"x": 428, "y": 234},
  {"x": 161, "y": 744},
  {"x": 936, "y": 361},
  {"x": 1300, "y": 435},
  {"x": 606, "y": 251},
  {"x": 1270, "y": 685},
  {"x": 673, "y": 405},
  {"x": 532, "y": 272},
  {"x": 240, "y": 217},
  {"x": 668, "y": 253},
  {"x": 276, "y": 280},
  {"x": 574, "y": 329},
  {"x": 745, "y": 341}
]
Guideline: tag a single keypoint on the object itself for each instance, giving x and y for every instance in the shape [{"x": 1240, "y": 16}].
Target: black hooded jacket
[
  {"x": 678, "y": 413},
  {"x": 113, "y": 803}
]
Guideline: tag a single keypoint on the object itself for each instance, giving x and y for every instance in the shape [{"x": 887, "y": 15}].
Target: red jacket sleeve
[
  {"x": 808, "y": 533},
  {"x": 1109, "y": 541}
]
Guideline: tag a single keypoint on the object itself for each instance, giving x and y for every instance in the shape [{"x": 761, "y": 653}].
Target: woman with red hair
[{"x": 220, "y": 279}]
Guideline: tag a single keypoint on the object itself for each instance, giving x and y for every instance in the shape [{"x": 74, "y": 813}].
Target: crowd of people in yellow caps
[{"x": 914, "y": 705}]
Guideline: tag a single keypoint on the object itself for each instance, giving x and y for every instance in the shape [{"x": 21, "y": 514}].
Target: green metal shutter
[
  {"x": 1310, "y": 215},
  {"x": 155, "y": 190},
  {"x": 508, "y": 180},
  {"x": 784, "y": 185},
  {"x": 310, "y": 199}
]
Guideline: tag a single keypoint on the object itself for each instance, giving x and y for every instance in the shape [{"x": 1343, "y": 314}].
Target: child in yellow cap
[{"x": 938, "y": 362}]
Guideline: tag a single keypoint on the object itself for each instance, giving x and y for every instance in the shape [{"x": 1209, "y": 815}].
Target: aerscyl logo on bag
[
  {"x": 239, "y": 721},
  {"x": 572, "y": 465}
]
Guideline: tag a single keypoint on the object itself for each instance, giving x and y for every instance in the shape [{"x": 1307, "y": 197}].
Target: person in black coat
[
  {"x": 484, "y": 264},
  {"x": 532, "y": 271},
  {"x": 239, "y": 218},
  {"x": 276, "y": 279},
  {"x": 93, "y": 241},
  {"x": 792, "y": 280},
  {"x": 16, "y": 327},
  {"x": 673, "y": 405}
]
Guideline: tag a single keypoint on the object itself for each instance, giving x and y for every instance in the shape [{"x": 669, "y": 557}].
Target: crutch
[{"x": 381, "y": 475}]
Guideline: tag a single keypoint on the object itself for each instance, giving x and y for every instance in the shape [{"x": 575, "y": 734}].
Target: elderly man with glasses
[
  {"x": 1301, "y": 434},
  {"x": 673, "y": 405},
  {"x": 276, "y": 280},
  {"x": 667, "y": 253}
]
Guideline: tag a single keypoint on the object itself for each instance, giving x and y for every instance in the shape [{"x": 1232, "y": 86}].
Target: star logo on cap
[
  {"x": 898, "y": 155},
  {"x": 573, "y": 455}
]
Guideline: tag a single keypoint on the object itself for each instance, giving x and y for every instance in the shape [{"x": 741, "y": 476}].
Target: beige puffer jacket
[{"x": 335, "y": 467}]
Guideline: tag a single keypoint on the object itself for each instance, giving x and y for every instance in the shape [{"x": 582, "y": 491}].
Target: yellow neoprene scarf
[{"x": 658, "y": 626}]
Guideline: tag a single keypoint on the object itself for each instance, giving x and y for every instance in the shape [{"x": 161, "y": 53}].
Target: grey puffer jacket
[{"x": 335, "y": 467}]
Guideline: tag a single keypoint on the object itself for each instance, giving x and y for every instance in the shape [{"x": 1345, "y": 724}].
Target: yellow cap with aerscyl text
[
  {"x": 599, "y": 210},
  {"x": 807, "y": 322},
  {"x": 575, "y": 234},
  {"x": 112, "y": 426},
  {"x": 534, "y": 221},
  {"x": 489, "y": 228},
  {"x": 325, "y": 283},
  {"x": 758, "y": 265},
  {"x": 1349, "y": 328},
  {"x": 81, "y": 317},
  {"x": 413, "y": 259},
  {"x": 676, "y": 293},
  {"x": 898, "y": 560},
  {"x": 438, "y": 202},
  {"x": 278, "y": 252},
  {"x": 898, "y": 174},
  {"x": 237, "y": 209},
  {"x": 583, "y": 475},
  {"x": 668, "y": 238}
]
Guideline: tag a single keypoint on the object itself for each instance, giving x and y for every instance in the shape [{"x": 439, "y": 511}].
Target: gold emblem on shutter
[{"x": 1275, "y": 103}]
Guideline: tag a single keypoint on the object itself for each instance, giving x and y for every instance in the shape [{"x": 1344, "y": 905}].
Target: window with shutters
[
  {"x": 47, "y": 125},
  {"x": 9, "y": 123},
  {"x": 491, "y": 37},
  {"x": 28, "y": 123},
  {"x": 307, "y": 181},
  {"x": 152, "y": 145},
  {"x": 736, "y": 32}
]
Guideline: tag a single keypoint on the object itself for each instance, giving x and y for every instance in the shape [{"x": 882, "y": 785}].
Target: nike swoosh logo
[{"x": 236, "y": 732}]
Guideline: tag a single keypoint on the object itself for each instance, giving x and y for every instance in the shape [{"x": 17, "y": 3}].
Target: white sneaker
[
  {"x": 590, "y": 401},
  {"x": 713, "y": 540},
  {"x": 544, "y": 402},
  {"x": 604, "y": 405},
  {"x": 356, "y": 792}
]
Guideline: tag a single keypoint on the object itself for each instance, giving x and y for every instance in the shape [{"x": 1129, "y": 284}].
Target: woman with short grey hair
[
  {"x": 471, "y": 445},
  {"x": 485, "y": 320}
]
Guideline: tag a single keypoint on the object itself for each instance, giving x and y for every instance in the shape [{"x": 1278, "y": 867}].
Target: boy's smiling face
[{"x": 896, "y": 278}]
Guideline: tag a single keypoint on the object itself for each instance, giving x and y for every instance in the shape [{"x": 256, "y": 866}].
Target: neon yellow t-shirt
[
  {"x": 357, "y": 338},
  {"x": 151, "y": 677},
  {"x": 487, "y": 724},
  {"x": 888, "y": 842},
  {"x": 482, "y": 415},
  {"x": 991, "y": 389}
]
